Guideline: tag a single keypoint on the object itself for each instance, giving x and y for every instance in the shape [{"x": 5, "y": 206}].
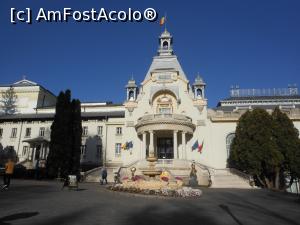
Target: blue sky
[{"x": 252, "y": 43}]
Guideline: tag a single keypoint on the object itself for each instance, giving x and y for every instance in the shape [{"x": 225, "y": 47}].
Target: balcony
[{"x": 165, "y": 122}]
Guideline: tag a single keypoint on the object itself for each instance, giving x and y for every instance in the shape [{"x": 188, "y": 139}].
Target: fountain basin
[{"x": 151, "y": 173}]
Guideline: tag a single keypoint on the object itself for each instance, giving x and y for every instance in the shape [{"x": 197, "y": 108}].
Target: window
[
  {"x": 118, "y": 150},
  {"x": 83, "y": 151},
  {"x": 164, "y": 105},
  {"x": 165, "y": 110},
  {"x": 229, "y": 140},
  {"x": 28, "y": 132},
  {"x": 99, "y": 151},
  {"x": 85, "y": 131},
  {"x": 13, "y": 133},
  {"x": 25, "y": 150},
  {"x": 199, "y": 93},
  {"x": 131, "y": 95},
  {"x": 119, "y": 130},
  {"x": 1, "y": 132},
  {"x": 99, "y": 130},
  {"x": 42, "y": 131}
]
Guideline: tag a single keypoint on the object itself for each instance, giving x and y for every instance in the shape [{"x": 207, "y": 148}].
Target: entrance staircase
[
  {"x": 207, "y": 176},
  {"x": 231, "y": 178}
]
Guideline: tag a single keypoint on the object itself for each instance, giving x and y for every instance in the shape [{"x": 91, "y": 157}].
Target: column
[
  {"x": 33, "y": 153},
  {"x": 175, "y": 144},
  {"x": 42, "y": 151},
  {"x": 143, "y": 155},
  {"x": 151, "y": 146},
  {"x": 183, "y": 145}
]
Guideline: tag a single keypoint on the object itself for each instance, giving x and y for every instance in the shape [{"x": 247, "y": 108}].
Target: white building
[{"x": 166, "y": 114}]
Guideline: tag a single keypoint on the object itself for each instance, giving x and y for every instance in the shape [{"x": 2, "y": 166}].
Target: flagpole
[{"x": 165, "y": 21}]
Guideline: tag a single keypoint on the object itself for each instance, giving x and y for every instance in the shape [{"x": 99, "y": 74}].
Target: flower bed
[{"x": 163, "y": 190}]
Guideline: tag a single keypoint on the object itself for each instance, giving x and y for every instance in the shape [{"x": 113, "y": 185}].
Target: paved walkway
[{"x": 44, "y": 203}]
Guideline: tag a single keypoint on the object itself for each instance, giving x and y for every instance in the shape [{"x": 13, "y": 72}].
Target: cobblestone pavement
[{"x": 44, "y": 203}]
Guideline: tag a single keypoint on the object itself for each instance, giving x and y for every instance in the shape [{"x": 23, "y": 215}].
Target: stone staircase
[
  {"x": 176, "y": 168},
  {"x": 207, "y": 176},
  {"x": 230, "y": 178}
]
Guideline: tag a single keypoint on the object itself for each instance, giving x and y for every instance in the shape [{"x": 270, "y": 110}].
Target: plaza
[{"x": 44, "y": 203}]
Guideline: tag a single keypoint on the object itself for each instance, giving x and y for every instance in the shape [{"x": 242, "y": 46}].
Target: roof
[
  {"x": 50, "y": 116},
  {"x": 165, "y": 63},
  {"x": 262, "y": 98},
  {"x": 27, "y": 83},
  {"x": 36, "y": 140},
  {"x": 24, "y": 82}
]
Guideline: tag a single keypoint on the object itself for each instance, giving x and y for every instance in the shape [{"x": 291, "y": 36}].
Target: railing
[
  {"x": 165, "y": 116},
  {"x": 165, "y": 161},
  {"x": 292, "y": 113},
  {"x": 290, "y": 91},
  {"x": 206, "y": 168}
]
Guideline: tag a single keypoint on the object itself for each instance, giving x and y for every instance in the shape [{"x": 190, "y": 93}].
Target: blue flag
[
  {"x": 129, "y": 144},
  {"x": 195, "y": 145}
]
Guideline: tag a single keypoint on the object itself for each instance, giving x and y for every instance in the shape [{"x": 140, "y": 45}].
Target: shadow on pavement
[
  {"x": 17, "y": 216},
  {"x": 227, "y": 210},
  {"x": 153, "y": 215}
]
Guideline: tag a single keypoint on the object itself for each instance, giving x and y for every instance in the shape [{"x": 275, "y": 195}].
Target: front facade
[{"x": 166, "y": 114}]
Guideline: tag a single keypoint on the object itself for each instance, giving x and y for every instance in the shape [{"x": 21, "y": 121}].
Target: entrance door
[{"x": 165, "y": 148}]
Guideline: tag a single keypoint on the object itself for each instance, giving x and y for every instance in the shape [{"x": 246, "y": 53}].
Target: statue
[{"x": 193, "y": 182}]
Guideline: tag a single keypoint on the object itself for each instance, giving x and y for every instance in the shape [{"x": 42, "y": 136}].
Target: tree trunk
[
  {"x": 277, "y": 183},
  {"x": 261, "y": 181},
  {"x": 269, "y": 183}
]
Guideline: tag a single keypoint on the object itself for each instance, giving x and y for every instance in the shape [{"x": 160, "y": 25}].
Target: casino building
[{"x": 166, "y": 113}]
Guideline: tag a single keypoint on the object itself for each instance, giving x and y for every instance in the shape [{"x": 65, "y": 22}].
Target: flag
[
  {"x": 130, "y": 144},
  {"x": 162, "y": 21},
  {"x": 200, "y": 147},
  {"x": 124, "y": 146},
  {"x": 195, "y": 145}
]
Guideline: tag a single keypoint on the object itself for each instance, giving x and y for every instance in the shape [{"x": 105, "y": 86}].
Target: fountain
[
  {"x": 154, "y": 185},
  {"x": 151, "y": 172}
]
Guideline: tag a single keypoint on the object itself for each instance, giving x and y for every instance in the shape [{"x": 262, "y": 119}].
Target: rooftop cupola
[
  {"x": 165, "y": 44},
  {"x": 131, "y": 89},
  {"x": 199, "y": 88}
]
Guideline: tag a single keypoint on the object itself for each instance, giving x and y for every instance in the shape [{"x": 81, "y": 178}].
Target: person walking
[
  {"x": 9, "y": 170},
  {"x": 104, "y": 175}
]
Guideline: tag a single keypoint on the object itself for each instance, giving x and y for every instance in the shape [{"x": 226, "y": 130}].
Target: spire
[{"x": 165, "y": 44}]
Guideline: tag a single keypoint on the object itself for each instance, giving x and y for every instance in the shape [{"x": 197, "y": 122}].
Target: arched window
[
  {"x": 229, "y": 140},
  {"x": 164, "y": 105},
  {"x": 199, "y": 93},
  {"x": 131, "y": 96},
  {"x": 165, "y": 45}
]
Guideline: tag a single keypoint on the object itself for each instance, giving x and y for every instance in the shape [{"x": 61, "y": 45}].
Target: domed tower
[
  {"x": 199, "y": 88},
  {"x": 200, "y": 102},
  {"x": 131, "y": 89},
  {"x": 165, "y": 44}
]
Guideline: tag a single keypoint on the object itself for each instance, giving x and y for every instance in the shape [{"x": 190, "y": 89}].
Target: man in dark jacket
[{"x": 104, "y": 175}]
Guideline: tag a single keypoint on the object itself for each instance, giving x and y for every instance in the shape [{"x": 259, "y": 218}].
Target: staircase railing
[
  {"x": 117, "y": 176},
  {"x": 206, "y": 168}
]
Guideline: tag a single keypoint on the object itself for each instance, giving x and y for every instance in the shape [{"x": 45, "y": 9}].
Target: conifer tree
[
  {"x": 9, "y": 99},
  {"x": 76, "y": 137},
  {"x": 287, "y": 140},
  {"x": 58, "y": 161},
  {"x": 254, "y": 149}
]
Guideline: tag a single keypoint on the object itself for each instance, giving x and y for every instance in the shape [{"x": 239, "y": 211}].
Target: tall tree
[
  {"x": 9, "y": 99},
  {"x": 287, "y": 140},
  {"x": 254, "y": 149},
  {"x": 76, "y": 137},
  {"x": 64, "y": 154},
  {"x": 60, "y": 137}
]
